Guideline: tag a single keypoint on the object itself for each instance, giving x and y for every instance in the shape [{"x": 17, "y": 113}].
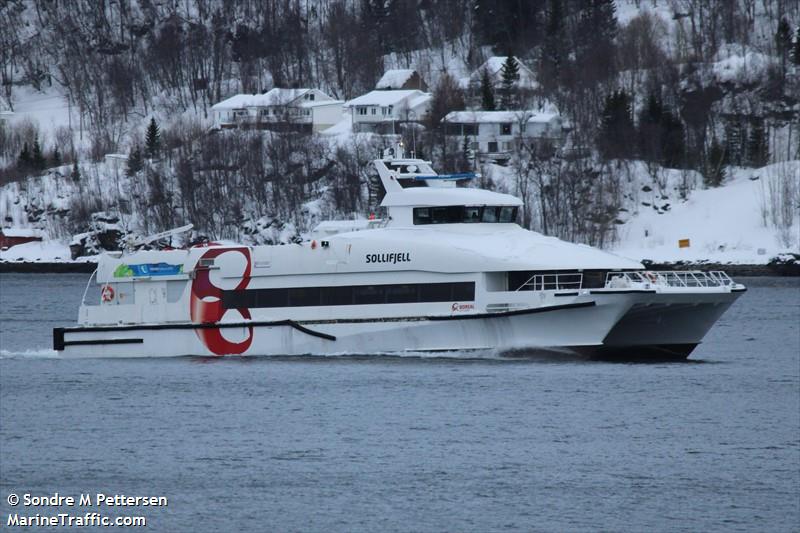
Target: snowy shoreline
[{"x": 733, "y": 269}]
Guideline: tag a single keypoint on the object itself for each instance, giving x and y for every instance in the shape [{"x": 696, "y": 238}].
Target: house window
[
  {"x": 492, "y": 146},
  {"x": 391, "y": 108},
  {"x": 310, "y": 96},
  {"x": 362, "y": 110},
  {"x": 507, "y": 146},
  {"x": 505, "y": 128},
  {"x": 470, "y": 129},
  {"x": 374, "y": 110}
]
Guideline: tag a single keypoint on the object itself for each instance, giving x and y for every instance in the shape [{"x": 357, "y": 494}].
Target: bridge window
[{"x": 454, "y": 214}]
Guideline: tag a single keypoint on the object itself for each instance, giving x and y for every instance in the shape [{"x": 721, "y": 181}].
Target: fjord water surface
[{"x": 411, "y": 444}]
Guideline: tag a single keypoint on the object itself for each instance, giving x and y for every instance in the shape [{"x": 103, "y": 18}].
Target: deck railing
[
  {"x": 552, "y": 282},
  {"x": 669, "y": 278}
]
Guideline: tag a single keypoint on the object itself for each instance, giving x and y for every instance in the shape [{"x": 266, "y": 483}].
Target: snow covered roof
[
  {"x": 494, "y": 65},
  {"x": 276, "y": 96},
  {"x": 394, "y": 78},
  {"x": 422, "y": 99},
  {"x": 490, "y": 117},
  {"x": 21, "y": 232},
  {"x": 384, "y": 98},
  {"x": 430, "y": 196},
  {"x": 320, "y": 103}
]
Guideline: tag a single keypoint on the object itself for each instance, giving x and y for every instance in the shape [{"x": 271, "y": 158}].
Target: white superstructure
[{"x": 448, "y": 268}]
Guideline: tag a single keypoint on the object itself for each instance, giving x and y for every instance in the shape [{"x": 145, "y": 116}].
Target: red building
[{"x": 13, "y": 236}]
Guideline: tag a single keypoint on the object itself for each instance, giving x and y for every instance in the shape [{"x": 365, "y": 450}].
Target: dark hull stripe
[
  {"x": 103, "y": 341},
  {"x": 623, "y": 291},
  {"x": 59, "y": 342}
]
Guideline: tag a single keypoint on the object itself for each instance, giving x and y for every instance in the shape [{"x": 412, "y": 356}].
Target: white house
[
  {"x": 380, "y": 111},
  {"x": 494, "y": 66},
  {"x": 280, "y": 109},
  {"x": 493, "y": 135}
]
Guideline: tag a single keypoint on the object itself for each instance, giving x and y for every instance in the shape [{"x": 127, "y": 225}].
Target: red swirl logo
[{"x": 205, "y": 305}]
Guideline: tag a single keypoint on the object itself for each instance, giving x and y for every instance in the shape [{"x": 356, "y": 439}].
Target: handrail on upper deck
[
  {"x": 671, "y": 278},
  {"x": 552, "y": 282}
]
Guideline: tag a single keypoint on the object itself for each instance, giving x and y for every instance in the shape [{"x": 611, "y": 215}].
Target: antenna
[{"x": 135, "y": 242}]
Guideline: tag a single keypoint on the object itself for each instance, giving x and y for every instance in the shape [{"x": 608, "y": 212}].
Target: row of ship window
[
  {"x": 350, "y": 295},
  {"x": 454, "y": 214}
]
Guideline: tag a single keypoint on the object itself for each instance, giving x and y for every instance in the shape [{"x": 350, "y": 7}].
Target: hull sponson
[
  {"x": 667, "y": 320},
  {"x": 583, "y": 323},
  {"x": 652, "y": 352}
]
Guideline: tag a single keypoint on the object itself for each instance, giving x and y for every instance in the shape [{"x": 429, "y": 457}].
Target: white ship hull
[{"x": 600, "y": 324}]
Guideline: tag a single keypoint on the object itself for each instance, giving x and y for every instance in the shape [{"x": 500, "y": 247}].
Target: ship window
[
  {"x": 337, "y": 295},
  {"x": 450, "y": 214},
  {"x": 304, "y": 296},
  {"x": 458, "y": 213},
  {"x": 368, "y": 294},
  {"x": 507, "y": 214},
  {"x": 350, "y": 295},
  {"x": 437, "y": 292},
  {"x": 422, "y": 215},
  {"x": 463, "y": 291},
  {"x": 472, "y": 214},
  {"x": 401, "y": 294}
]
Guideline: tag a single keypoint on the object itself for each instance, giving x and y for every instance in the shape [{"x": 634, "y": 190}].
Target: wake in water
[
  {"x": 488, "y": 354},
  {"x": 42, "y": 353}
]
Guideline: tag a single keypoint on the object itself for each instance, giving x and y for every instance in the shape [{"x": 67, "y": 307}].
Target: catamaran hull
[
  {"x": 662, "y": 326},
  {"x": 583, "y": 324}
]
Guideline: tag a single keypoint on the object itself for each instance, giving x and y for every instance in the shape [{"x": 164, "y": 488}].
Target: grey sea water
[{"x": 411, "y": 444}]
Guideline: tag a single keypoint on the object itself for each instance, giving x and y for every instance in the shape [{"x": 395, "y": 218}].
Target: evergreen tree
[
  {"x": 37, "y": 158},
  {"x": 466, "y": 151},
  {"x": 510, "y": 72},
  {"x": 135, "y": 161},
  {"x": 757, "y": 146},
  {"x": 649, "y": 130},
  {"x": 783, "y": 42},
  {"x": 153, "y": 139},
  {"x": 553, "y": 54},
  {"x": 594, "y": 38},
  {"x": 735, "y": 142},
  {"x": 487, "y": 91},
  {"x": 714, "y": 173},
  {"x": 796, "y": 57},
  {"x": 616, "y": 128},
  {"x": 673, "y": 142},
  {"x": 24, "y": 160},
  {"x": 55, "y": 158},
  {"x": 76, "y": 172}
]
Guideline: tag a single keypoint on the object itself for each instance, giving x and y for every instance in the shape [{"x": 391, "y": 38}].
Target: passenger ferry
[{"x": 447, "y": 269}]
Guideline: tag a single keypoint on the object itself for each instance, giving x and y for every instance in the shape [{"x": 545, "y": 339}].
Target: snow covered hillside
[
  {"x": 729, "y": 224},
  {"x": 739, "y": 223},
  {"x": 677, "y": 120}
]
